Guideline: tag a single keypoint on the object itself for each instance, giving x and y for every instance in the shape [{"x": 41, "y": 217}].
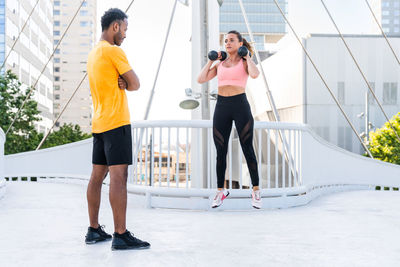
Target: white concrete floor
[{"x": 44, "y": 224}]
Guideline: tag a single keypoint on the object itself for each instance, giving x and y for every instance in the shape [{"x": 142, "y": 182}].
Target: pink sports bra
[{"x": 235, "y": 75}]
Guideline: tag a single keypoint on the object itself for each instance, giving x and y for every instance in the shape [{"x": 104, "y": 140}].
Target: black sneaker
[
  {"x": 128, "y": 241},
  {"x": 96, "y": 235}
]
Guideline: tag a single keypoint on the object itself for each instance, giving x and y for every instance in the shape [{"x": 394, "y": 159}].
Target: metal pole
[
  {"x": 205, "y": 101},
  {"x": 366, "y": 116}
]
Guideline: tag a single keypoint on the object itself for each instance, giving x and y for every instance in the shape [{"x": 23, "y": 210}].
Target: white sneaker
[
  {"x": 256, "y": 199},
  {"x": 219, "y": 198}
]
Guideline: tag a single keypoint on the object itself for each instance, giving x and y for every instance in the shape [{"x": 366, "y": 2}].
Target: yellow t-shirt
[{"x": 110, "y": 105}]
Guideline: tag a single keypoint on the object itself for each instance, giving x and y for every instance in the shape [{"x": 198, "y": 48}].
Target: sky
[
  {"x": 148, "y": 21},
  {"x": 145, "y": 38}
]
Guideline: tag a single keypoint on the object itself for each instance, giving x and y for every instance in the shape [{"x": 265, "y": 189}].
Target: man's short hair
[{"x": 110, "y": 16}]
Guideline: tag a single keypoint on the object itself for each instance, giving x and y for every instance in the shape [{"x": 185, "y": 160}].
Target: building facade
[
  {"x": 300, "y": 95},
  {"x": 32, "y": 50},
  {"x": 70, "y": 61},
  {"x": 266, "y": 22},
  {"x": 388, "y": 13}
]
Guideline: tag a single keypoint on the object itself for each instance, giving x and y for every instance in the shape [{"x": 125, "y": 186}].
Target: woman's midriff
[{"x": 230, "y": 90}]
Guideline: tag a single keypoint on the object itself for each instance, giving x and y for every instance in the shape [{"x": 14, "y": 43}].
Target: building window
[
  {"x": 56, "y": 12},
  {"x": 55, "y": 42},
  {"x": 340, "y": 94},
  {"x": 56, "y": 33},
  {"x": 371, "y": 99},
  {"x": 56, "y": 3},
  {"x": 56, "y": 60},
  {"x": 390, "y": 93},
  {"x": 57, "y": 78},
  {"x": 56, "y": 87},
  {"x": 57, "y": 97},
  {"x": 56, "y": 23},
  {"x": 57, "y": 51},
  {"x": 84, "y": 12},
  {"x": 57, "y": 69},
  {"x": 84, "y": 23}
]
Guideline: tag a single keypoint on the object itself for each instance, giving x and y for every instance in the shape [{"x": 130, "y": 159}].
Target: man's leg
[
  {"x": 93, "y": 193},
  {"x": 118, "y": 195}
]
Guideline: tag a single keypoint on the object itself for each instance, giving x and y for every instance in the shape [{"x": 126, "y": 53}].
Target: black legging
[{"x": 228, "y": 109}]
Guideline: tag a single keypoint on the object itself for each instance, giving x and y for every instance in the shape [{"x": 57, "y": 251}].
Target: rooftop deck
[{"x": 43, "y": 224}]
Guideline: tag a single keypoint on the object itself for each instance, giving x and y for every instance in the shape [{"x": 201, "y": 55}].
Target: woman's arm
[
  {"x": 252, "y": 69},
  {"x": 206, "y": 73}
]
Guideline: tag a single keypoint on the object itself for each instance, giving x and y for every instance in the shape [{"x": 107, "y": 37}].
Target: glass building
[
  {"x": 31, "y": 52},
  {"x": 390, "y": 16},
  {"x": 266, "y": 22}
]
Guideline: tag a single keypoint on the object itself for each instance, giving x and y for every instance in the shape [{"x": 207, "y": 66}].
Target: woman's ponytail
[{"x": 248, "y": 45}]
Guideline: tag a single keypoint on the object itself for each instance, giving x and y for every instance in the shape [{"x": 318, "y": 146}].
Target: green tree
[
  {"x": 22, "y": 135},
  {"x": 67, "y": 133},
  {"x": 383, "y": 142}
]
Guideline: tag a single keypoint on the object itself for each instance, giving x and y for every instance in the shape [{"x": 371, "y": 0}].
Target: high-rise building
[
  {"x": 32, "y": 50},
  {"x": 266, "y": 22},
  {"x": 70, "y": 60},
  {"x": 388, "y": 13}
]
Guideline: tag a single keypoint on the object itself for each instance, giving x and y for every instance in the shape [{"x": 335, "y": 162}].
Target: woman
[{"x": 232, "y": 105}]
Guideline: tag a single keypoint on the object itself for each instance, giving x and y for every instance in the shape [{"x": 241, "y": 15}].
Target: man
[{"x": 109, "y": 75}]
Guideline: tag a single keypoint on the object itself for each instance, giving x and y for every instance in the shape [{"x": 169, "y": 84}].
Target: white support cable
[
  {"x": 19, "y": 35},
  {"x": 139, "y": 144},
  {"x": 76, "y": 89},
  {"x": 383, "y": 33},
  {"x": 323, "y": 80},
  {"x": 269, "y": 94},
  {"x": 360, "y": 70},
  {"x": 44, "y": 68}
]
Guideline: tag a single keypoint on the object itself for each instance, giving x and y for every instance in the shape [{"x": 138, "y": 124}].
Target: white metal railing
[
  {"x": 168, "y": 151},
  {"x": 170, "y": 173}
]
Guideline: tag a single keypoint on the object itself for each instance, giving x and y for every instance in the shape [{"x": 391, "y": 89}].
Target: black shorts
[{"x": 113, "y": 147}]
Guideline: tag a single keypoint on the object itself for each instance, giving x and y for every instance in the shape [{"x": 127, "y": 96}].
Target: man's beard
[{"x": 118, "y": 38}]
